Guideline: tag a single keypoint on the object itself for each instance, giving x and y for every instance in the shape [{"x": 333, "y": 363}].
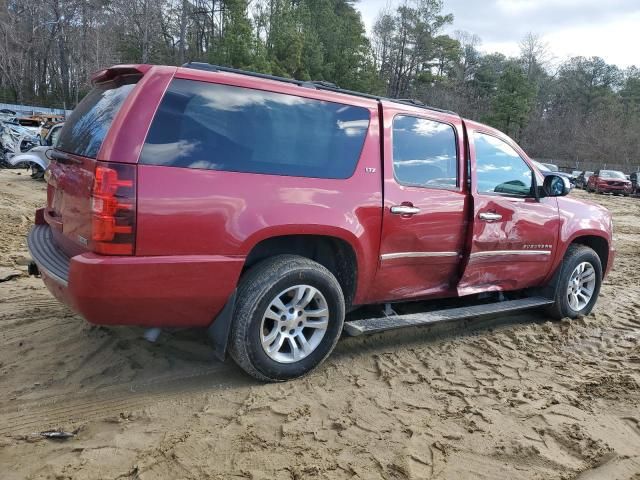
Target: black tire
[
  {"x": 576, "y": 254},
  {"x": 258, "y": 287},
  {"x": 37, "y": 172}
]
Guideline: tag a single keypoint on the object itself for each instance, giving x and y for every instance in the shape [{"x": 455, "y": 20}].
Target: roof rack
[
  {"x": 317, "y": 84},
  {"x": 411, "y": 101}
]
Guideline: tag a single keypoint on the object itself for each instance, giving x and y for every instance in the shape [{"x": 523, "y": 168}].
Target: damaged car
[
  {"x": 15, "y": 139},
  {"x": 37, "y": 159}
]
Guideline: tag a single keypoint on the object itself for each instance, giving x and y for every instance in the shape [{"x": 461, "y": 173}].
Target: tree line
[{"x": 581, "y": 112}]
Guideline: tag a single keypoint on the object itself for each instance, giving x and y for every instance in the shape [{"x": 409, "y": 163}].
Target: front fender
[
  {"x": 579, "y": 218},
  {"x": 29, "y": 158}
]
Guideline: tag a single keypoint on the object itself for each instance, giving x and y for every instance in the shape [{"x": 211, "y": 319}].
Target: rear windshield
[
  {"x": 89, "y": 123},
  {"x": 220, "y": 127}
]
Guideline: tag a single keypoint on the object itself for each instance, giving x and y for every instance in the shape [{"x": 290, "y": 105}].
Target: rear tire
[
  {"x": 578, "y": 284},
  {"x": 288, "y": 317}
]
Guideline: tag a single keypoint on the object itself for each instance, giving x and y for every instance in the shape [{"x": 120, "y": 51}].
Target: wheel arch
[
  {"x": 598, "y": 244},
  {"x": 28, "y": 158},
  {"x": 334, "y": 253}
]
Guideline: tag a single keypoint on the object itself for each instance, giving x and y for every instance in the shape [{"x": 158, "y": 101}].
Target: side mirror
[{"x": 555, "y": 186}]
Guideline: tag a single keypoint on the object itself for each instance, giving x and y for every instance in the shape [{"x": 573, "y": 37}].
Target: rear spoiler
[{"x": 117, "y": 70}]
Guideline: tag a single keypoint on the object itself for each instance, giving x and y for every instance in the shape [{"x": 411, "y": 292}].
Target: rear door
[
  {"x": 425, "y": 204},
  {"x": 514, "y": 234}
]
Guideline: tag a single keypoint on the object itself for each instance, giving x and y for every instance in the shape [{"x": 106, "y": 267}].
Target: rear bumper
[
  {"x": 52, "y": 262},
  {"x": 158, "y": 291}
]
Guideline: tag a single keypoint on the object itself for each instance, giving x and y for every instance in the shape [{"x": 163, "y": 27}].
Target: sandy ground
[{"x": 513, "y": 397}]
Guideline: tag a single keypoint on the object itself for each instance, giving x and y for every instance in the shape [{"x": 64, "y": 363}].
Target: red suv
[
  {"x": 609, "y": 181},
  {"x": 265, "y": 209}
]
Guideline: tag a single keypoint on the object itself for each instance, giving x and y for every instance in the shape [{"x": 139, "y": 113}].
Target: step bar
[{"x": 355, "y": 328}]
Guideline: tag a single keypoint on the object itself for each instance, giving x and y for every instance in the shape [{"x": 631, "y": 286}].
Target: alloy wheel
[
  {"x": 582, "y": 284},
  {"x": 294, "y": 324}
]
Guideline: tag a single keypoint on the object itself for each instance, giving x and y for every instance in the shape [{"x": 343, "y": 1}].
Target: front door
[
  {"x": 514, "y": 234},
  {"x": 424, "y": 217}
]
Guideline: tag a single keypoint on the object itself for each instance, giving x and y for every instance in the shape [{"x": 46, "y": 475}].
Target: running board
[{"x": 374, "y": 325}]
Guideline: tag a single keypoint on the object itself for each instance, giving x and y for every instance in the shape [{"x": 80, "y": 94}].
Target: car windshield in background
[
  {"x": 54, "y": 136},
  {"x": 541, "y": 166},
  {"x": 612, "y": 174},
  {"x": 86, "y": 127}
]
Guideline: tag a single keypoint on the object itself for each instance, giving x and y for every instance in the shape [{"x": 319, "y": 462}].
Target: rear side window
[
  {"x": 220, "y": 127},
  {"x": 86, "y": 127},
  {"x": 424, "y": 153}
]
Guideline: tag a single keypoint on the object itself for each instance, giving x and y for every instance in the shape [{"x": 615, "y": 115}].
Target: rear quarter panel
[{"x": 184, "y": 211}]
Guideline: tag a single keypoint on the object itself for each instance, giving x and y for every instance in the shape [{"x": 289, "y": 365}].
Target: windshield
[{"x": 612, "y": 174}]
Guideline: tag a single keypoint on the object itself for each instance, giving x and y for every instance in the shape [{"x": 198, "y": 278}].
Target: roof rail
[
  {"x": 317, "y": 84},
  {"x": 411, "y": 101}
]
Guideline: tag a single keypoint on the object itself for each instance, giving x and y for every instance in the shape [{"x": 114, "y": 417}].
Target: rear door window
[
  {"x": 220, "y": 127},
  {"x": 424, "y": 153},
  {"x": 85, "y": 129}
]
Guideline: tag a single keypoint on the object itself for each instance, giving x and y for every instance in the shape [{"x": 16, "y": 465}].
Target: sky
[{"x": 605, "y": 28}]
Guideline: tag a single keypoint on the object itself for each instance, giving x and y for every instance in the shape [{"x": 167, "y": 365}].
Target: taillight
[{"x": 113, "y": 209}]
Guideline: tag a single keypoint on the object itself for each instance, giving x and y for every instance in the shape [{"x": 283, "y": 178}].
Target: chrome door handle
[
  {"x": 490, "y": 217},
  {"x": 404, "y": 210}
]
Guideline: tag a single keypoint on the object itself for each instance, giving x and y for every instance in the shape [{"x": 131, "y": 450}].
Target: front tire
[
  {"x": 37, "y": 172},
  {"x": 288, "y": 317},
  {"x": 578, "y": 284}
]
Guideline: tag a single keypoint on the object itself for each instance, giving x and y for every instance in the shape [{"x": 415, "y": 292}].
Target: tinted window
[
  {"x": 219, "y": 127},
  {"x": 88, "y": 124},
  {"x": 499, "y": 168},
  {"x": 424, "y": 153}
]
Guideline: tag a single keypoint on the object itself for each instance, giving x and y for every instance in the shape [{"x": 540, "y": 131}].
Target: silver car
[{"x": 36, "y": 158}]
